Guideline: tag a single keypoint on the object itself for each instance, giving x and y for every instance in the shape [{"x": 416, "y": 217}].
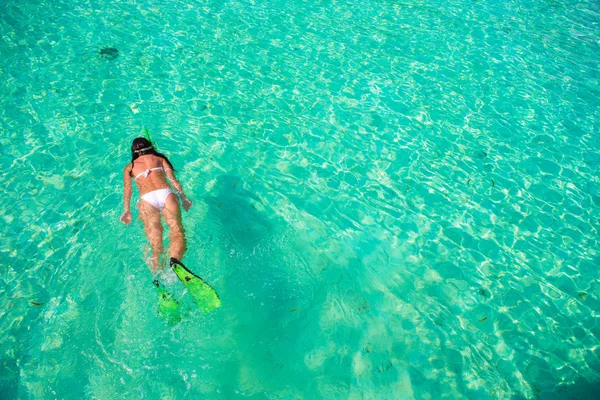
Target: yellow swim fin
[{"x": 205, "y": 297}]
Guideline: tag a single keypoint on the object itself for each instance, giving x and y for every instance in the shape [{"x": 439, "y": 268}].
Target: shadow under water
[
  {"x": 264, "y": 285},
  {"x": 579, "y": 390}
]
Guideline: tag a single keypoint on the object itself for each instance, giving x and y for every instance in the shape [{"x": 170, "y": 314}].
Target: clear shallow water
[{"x": 415, "y": 214}]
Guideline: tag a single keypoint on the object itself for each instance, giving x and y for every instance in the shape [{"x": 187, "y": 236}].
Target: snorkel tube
[{"x": 147, "y": 135}]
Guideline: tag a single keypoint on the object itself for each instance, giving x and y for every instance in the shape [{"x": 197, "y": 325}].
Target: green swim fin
[
  {"x": 168, "y": 307},
  {"x": 204, "y": 295}
]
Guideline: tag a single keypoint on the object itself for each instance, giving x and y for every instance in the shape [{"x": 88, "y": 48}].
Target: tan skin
[{"x": 149, "y": 215}]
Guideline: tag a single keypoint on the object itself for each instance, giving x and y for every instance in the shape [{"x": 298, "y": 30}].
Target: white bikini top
[{"x": 147, "y": 172}]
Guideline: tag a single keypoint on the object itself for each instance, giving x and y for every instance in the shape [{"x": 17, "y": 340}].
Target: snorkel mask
[{"x": 141, "y": 151}]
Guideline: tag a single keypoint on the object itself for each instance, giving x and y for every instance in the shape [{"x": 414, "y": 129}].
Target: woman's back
[{"x": 149, "y": 173}]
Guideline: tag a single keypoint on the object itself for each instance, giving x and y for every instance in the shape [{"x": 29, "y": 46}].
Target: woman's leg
[
  {"x": 172, "y": 214},
  {"x": 154, "y": 231}
]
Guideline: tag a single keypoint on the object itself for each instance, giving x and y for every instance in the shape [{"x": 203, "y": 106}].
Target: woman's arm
[
  {"x": 127, "y": 191},
  {"x": 176, "y": 185}
]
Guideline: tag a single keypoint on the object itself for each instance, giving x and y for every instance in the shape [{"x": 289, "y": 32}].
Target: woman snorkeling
[{"x": 150, "y": 169}]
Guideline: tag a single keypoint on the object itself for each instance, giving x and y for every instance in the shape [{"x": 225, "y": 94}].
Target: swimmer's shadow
[{"x": 238, "y": 210}]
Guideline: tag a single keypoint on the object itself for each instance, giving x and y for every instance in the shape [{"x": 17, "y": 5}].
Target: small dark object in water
[
  {"x": 235, "y": 184},
  {"x": 493, "y": 184},
  {"x": 295, "y": 309},
  {"x": 483, "y": 319},
  {"x": 484, "y": 293},
  {"x": 220, "y": 204},
  {"x": 37, "y": 304},
  {"x": 384, "y": 367},
  {"x": 110, "y": 53}
]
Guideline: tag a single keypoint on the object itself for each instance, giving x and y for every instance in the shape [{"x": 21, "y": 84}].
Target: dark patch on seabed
[
  {"x": 110, "y": 53},
  {"x": 9, "y": 379},
  {"x": 579, "y": 390}
]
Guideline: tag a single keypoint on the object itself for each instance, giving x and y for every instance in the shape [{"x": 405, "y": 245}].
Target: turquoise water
[{"x": 394, "y": 200}]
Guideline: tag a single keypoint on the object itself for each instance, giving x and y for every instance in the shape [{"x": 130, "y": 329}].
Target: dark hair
[{"x": 141, "y": 146}]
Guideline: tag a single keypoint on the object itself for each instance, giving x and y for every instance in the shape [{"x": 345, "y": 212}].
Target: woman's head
[{"x": 142, "y": 146}]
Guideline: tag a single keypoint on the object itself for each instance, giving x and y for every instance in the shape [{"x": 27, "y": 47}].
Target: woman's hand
[
  {"x": 186, "y": 204},
  {"x": 126, "y": 217}
]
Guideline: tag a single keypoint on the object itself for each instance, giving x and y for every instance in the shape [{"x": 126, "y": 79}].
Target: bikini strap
[{"x": 147, "y": 172}]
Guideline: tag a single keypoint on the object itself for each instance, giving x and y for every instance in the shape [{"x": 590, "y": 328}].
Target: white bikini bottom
[{"x": 157, "y": 198}]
